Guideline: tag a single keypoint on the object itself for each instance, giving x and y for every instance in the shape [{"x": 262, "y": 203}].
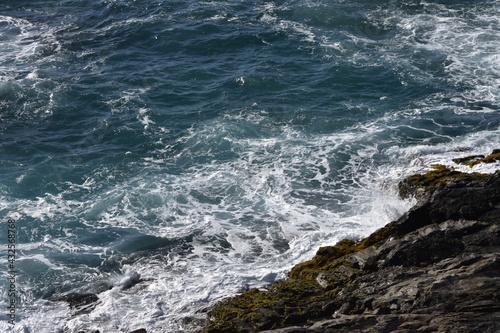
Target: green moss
[
  {"x": 297, "y": 299},
  {"x": 440, "y": 174},
  {"x": 376, "y": 239},
  {"x": 325, "y": 256},
  {"x": 468, "y": 159},
  {"x": 330, "y": 257},
  {"x": 476, "y": 159},
  {"x": 433, "y": 177},
  {"x": 284, "y": 302},
  {"x": 409, "y": 186}
]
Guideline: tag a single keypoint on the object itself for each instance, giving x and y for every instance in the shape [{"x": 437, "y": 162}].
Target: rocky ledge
[{"x": 436, "y": 269}]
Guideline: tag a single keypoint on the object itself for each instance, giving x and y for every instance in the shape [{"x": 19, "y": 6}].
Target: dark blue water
[{"x": 203, "y": 147}]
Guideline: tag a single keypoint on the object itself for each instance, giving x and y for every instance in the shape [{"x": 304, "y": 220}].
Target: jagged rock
[
  {"x": 465, "y": 197},
  {"x": 78, "y": 301},
  {"x": 476, "y": 159}
]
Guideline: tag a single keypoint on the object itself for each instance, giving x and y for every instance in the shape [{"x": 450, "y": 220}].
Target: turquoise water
[{"x": 167, "y": 154}]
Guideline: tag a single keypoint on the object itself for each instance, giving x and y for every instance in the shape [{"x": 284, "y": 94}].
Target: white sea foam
[
  {"x": 464, "y": 43},
  {"x": 470, "y": 45},
  {"x": 269, "y": 16},
  {"x": 25, "y": 46}
]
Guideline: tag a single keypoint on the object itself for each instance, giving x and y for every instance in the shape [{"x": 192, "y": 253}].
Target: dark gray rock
[
  {"x": 440, "y": 272},
  {"x": 468, "y": 197},
  {"x": 79, "y": 301}
]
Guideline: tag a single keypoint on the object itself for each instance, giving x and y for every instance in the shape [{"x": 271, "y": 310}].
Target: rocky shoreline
[{"x": 436, "y": 269}]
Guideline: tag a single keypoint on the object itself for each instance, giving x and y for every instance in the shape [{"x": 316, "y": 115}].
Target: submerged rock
[
  {"x": 436, "y": 269},
  {"x": 81, "y": 302},
  {"x": 75, "y": 300}
]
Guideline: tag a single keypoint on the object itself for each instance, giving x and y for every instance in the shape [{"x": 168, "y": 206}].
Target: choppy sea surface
[{"x": 167, "y": 154}]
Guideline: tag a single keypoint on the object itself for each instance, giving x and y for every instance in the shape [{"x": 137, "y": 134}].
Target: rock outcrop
[{"x": 436, "y": 269}]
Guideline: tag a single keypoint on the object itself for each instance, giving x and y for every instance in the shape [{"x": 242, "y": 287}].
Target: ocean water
[{"x": 165, "y": 154}]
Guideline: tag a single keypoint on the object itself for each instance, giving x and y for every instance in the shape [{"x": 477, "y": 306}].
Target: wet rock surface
[
  {"x": 81, "y": 302},
  {"x": 436, "y": 269}
]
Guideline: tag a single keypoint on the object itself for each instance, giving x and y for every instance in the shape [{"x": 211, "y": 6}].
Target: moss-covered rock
[
  {"x": 283, "y": 303},
  {"x": 330, "y": 257},
  {"x": 421, "y": 186},
  {"x": 477, "y": 159},
  {"x": 417, "y": 185}
]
